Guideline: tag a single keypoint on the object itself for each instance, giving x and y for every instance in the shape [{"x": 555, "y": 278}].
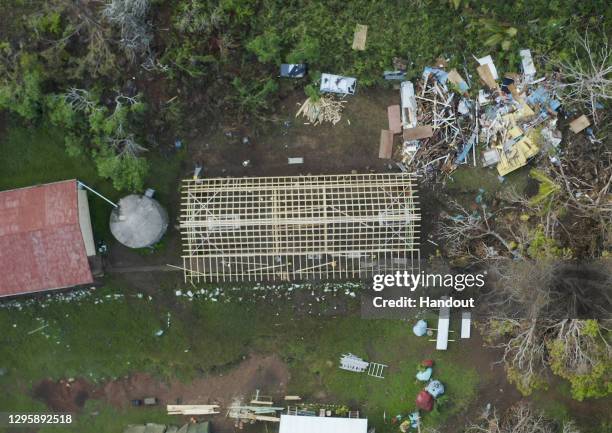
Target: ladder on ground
[{"x": 376, "y": 370}]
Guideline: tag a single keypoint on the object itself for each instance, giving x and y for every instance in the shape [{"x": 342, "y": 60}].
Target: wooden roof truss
[{"x": 300, "y": 227}]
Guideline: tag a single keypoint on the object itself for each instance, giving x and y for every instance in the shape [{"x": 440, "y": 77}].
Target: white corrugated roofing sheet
[{"x": 322, "y": 424}]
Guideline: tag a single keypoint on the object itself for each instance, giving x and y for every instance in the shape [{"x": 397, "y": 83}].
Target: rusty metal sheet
[{"x": 41, "y": 245}]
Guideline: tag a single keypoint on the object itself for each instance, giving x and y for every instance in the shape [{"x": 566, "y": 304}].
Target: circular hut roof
[{"x": 139, "y": 221}]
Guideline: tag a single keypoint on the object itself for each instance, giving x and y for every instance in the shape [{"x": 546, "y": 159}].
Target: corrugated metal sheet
[{"x": 41, "y": 245}]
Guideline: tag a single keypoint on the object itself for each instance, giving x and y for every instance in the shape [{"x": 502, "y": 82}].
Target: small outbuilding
[{"x": 139, "y": 221}]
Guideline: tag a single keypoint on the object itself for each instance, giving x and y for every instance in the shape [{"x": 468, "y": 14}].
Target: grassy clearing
[{"x": 101, "y": 337}]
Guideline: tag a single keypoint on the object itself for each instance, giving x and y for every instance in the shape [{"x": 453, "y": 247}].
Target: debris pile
[
  {"x": 446, "y": 121},
  {"x": 323, "y": 109},
  {"x": 436, "y": 124}
]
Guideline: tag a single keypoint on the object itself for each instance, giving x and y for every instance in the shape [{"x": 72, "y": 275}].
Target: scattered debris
[
  {"x": 511, "y": 122},
  {"x": 529, "y": 69},
  {"x": 249, "y": 414},
  {"x": 488, "y": 61},
  {"x": 424, "y": 401},
  {"x": 424, "y": 375},
  {"x": 351, "y": 362},
  {"x": 435, "y": 388},
  {"x": 323, "y": 109}
]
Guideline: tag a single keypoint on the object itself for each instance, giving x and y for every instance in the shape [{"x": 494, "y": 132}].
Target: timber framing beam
[{"x": 299, "y": 227}]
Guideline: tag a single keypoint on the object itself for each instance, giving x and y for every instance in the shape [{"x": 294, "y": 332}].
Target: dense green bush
[{"x": 224, "y": 54}]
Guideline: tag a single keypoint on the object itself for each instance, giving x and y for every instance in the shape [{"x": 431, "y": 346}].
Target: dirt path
[{"x": 267, "y": 373}]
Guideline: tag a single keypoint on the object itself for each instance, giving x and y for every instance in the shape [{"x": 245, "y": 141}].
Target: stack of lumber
[{"x": 192, "y": 409}]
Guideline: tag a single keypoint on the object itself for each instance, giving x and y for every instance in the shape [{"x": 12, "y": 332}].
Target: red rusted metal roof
[{"x": 41, "y": 245}]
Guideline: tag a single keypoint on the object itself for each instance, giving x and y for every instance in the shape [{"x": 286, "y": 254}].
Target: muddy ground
[
  {"x": 264, "y": 372},
  {"x": 351, "y": 145}
]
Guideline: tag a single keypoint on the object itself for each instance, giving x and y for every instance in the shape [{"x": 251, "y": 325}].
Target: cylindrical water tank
[{"x": 139, "y": 221}]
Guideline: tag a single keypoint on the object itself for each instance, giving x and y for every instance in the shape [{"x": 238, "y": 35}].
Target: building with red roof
[{"x": 45, "y": 238}]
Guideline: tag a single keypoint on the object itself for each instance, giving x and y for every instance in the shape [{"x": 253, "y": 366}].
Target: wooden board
[
  {"x": 359, "y": 40},
  {"x": 395, "y": 121},
  {"x": 263, "y": 418},
  {"x": 579, "y": 124},
  {"x": 487, "y": 76},
  {"x": 418, "y": 133},
  {"x": 386, "y": 144},
  {"x": 192, "y": 409}
]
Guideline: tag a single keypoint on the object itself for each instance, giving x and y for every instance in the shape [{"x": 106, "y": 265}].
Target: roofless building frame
[{"x": 299, "y": 227}]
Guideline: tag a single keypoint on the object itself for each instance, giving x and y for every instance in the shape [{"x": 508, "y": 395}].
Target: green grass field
[{"x": 104, "y": 337}]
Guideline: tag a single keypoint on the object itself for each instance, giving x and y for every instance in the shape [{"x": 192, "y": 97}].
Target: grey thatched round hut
[{"x": 139, "y": 221}]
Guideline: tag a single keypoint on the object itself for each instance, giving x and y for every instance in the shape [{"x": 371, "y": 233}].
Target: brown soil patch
[
  {"x": 494, "y": 387},
  {"x": 267, "y": 373},
  {"x": 64, "y": 395},
  {"x": 352, "y": 144}
]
